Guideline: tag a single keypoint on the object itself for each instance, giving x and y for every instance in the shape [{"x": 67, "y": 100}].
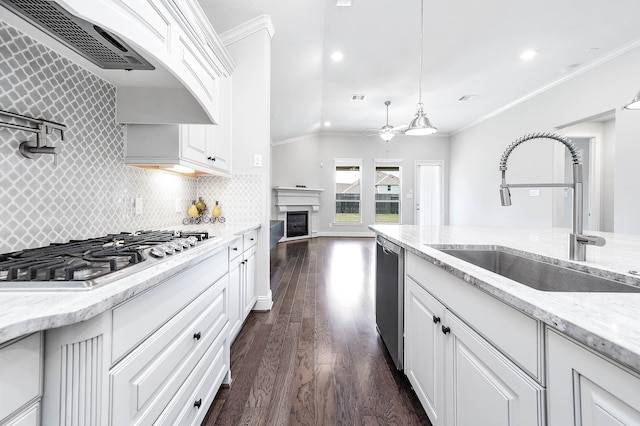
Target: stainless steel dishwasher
[{"x": 390, "y": 298}]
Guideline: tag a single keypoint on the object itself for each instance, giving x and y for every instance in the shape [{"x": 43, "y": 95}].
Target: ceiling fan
[{"x": 387, "y": 132}]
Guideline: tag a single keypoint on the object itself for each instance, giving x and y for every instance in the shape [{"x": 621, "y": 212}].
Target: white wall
[
  {"x": 476, "y": 151},
  {"x": 310, "y": 161},
  {"x": 251, "y": 94}
]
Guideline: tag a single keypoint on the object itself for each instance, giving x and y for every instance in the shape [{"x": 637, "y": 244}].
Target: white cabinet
[
  {"x": 21, "y": 381},
  {"x": 584, "y": 388},
  {"x": 460, "y": 376},
  {"x": 236, "y": 262},
  {"x": 158, "y": 357},
  {"x": 249, "y": 282},
  {"x": 423, "y": 348},
  {"x": 201, "y": 147}
]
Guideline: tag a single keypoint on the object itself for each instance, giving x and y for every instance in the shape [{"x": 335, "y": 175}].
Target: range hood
[{"x": 96, "y": 44}]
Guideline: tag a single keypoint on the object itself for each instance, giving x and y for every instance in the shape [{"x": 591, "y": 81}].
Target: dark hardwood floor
[{"x": 316, "y": 358}]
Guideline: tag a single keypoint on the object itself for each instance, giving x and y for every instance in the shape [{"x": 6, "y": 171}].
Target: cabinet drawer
[
  {"x": 20, "y": 372},
  {"x": 192, "y": 402},
  {"x": 250, "y": 239},
  {"x": 235, "y": 248},
  {"x": 137, "y": 318},
  {"x": 516, "y": 334},
  {"x": 144, "y": 382}
]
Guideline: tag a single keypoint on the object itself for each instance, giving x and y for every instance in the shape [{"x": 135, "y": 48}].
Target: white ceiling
[{"x": 470, "y": 48}]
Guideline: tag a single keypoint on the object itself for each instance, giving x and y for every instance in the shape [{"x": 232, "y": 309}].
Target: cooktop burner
[{"x": 84, "y": 264}]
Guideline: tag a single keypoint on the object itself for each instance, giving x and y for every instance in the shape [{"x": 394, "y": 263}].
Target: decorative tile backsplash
[{"x": 91, "y": 191}]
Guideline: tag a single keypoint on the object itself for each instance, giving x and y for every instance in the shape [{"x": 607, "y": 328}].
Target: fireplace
[
  {"x": 297, "y": 224},
  {"x": 299, "y": 209}
]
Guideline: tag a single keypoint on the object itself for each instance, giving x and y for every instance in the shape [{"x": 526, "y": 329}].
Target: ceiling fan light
[
  {"x": 634, "y": 104},
  {"x": 387, "y": 136},
  {"x": 420, "y": 125}
]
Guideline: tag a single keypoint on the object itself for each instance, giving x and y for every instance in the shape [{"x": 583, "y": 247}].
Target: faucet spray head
[{"x": 505, "y": 196}]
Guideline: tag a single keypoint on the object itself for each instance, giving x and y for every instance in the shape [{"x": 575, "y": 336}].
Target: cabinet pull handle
[
  {"x": 251, "y": 239},
  {"x": 198, "y": 403},
  {"x": 234, "y": 248},
  {"x": 436, "y": 319},
  {"x": 446, "y": 330},
  {"x": 197, "y": 335}
]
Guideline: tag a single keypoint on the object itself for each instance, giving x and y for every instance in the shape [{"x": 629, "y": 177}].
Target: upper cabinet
[{"x": 178, "y": 39}]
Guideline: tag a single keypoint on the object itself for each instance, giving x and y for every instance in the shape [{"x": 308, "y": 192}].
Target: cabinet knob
[
  {"x": 197, "y": 335},
  {"x": 234, "y": 248},
  {"x": 446, "y": 330},
  {"x": 198, "y": 403},
  {"x": 251, "y": 239},
  {"x": 436, "y": 319}
]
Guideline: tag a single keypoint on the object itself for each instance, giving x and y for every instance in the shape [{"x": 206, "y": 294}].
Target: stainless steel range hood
[{"x": 97, "y": 45}]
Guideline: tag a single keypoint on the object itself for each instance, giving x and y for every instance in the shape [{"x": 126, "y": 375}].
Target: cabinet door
[
  {"x": 220, "y": 137},
  {"x": 484, "y": 387},
  {"x": 235, "y": 299},
  {"x": 194, "y": 142},
  {"x": 423, "y": 363},
  {"x": 586, "y": 389},
  {"x": 249, "y": 282}
]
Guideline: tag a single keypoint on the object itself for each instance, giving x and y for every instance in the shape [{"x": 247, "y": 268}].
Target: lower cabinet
[
  {"x": 21, "y": 381},
  {"x": 242, "y": 280},
  {"x": 157, "y": 358},
  {"x": 459, "y": 377},
  {"x": 584, "y": 388}
]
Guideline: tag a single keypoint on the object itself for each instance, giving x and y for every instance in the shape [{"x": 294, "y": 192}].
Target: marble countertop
[
  {"x": 606, "y": 322},
  {"x": 25, "y": 312}
]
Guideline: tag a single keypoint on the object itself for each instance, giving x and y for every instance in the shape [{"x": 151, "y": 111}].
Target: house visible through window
[
  {"x": 387, "y": 182},
  {"x": 347, "y": 179}
]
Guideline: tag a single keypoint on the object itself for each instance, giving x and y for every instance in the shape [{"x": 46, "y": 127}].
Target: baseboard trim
[
  {"x": 362, "y": 234},
  {"x": 264, "y": 303}
]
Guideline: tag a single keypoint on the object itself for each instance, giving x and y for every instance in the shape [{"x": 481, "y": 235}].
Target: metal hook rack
[{"x": 41, "y": 128}]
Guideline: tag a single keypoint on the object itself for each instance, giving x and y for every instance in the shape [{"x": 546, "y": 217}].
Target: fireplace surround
[{"x": 298, "y": 201}]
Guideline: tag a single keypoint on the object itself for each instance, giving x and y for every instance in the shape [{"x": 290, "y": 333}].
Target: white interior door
[{"x": 429, "y": 193}]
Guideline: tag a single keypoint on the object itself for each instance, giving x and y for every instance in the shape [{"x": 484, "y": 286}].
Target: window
[
  {"x": 347, "y": 179},
  {"x": 387, "y": 193}
]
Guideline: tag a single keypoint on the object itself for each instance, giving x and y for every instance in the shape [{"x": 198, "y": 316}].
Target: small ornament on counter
[{"x": 197, "y": 213}]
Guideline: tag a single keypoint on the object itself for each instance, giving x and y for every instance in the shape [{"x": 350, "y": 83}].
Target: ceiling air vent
[
  {"x": 357, "y": 97},
  {"x": 90, "y": 41}
]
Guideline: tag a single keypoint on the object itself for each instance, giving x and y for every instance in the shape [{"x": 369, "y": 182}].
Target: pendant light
[
  {"x": 634, "y": 104},
  {"x": 420, "y": 125}
]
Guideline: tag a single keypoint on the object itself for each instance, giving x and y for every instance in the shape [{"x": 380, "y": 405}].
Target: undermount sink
[{"x": 537, "y": 274}]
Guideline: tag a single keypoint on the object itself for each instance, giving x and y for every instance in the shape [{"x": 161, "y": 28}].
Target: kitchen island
[
  {"x": 553, "y": 338},
  {"x": 152, "y": 345}
]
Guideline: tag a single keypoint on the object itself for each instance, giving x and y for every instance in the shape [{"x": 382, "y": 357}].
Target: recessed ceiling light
[
  {"x": 327, "y": 124},
  {"x": 527, "y": 55},
  {"x": 337, "y": 56},
  {"x": 343, "y": 3}
]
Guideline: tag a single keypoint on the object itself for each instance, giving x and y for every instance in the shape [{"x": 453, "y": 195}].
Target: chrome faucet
[{"x": 577, "y": 240}]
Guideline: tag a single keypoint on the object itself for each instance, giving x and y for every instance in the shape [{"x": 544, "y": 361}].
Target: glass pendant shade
[
  {"x": 634, "y": 104},
  {"x": 420, "y": 125},
  {"x": 387, "y": 136}
]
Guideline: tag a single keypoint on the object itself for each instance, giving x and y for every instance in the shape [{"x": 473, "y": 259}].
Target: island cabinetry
[
  {"x": 584, "y": 388},
  {"x": 21, "y": 381},
  {"x": 159, "y": 356},
  {"x": 463, "y": 352}
]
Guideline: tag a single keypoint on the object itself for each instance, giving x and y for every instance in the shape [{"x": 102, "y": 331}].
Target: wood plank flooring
[{"x": 316, "y": 358}]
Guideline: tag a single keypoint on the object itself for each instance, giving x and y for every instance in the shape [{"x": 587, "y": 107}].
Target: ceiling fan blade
[{"x": 400, "y": 127}]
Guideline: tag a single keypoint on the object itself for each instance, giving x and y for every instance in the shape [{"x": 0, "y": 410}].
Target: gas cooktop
[{"x": 87, "y": 264}]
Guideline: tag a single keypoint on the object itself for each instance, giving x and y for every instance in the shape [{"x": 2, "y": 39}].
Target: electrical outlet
[
  {"x": 534, "y": 193},
  {"x": 138, "y": 205},
  {"x": 178, "y": 205}
]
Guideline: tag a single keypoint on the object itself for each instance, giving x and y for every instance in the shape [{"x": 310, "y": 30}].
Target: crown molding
[{"x": 259, "y": 23}]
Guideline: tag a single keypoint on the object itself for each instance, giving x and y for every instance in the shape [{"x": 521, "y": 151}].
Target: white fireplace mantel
[{"x": 293, "y": 199}]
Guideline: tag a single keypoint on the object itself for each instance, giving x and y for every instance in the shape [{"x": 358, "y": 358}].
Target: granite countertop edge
[{"x": 26, "y": 312}]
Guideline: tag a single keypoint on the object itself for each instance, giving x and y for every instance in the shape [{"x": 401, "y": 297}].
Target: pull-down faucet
[{"x": 577, "y": 240}]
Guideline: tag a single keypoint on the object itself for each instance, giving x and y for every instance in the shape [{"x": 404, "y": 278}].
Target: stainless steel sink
[{"x": 537, "y": 274}]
